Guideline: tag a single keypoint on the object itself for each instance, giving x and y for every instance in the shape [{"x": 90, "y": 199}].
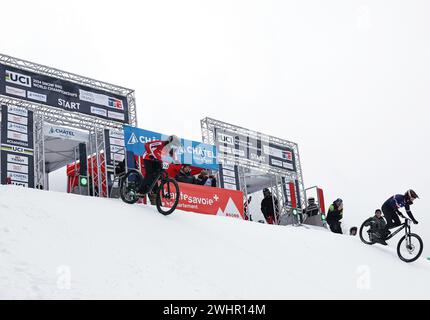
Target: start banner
[{"x": 209, "y": 200}]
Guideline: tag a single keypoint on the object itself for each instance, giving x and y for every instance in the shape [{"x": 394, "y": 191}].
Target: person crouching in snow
[{"x": 378, "y": 228}]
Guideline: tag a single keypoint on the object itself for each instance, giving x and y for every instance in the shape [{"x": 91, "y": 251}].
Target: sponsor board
[
  {"x": 117, "y": 149},
  {"x": 100, "y": 99},
  {"x": 18, "y": 176},
  {"x": 17, "y": 149},
  {"x": 117, "y": 142},
  {"x": 116, "y": 134},
  {"x": 17, "y": 136},
  {"x": 17, "y": 168},
  {"x": 209, "y": 200},
  {"x": 17, "y": 127},
  {"x": 231, "y": 180},
  {"x": 36, "y": 96},
  {"x": 17, "y": 119},
  {"x": 116, "y": 115},
  {"x": 64, "y": 94},
  {"x": 288, "y": 165},
  {"x": 18, "y": 111},
  {"x": 253, "y": 147},
  {"x": 15, "y": 91},
  {"x": 230, "y": 186},
  {"x": 65, "y": 133},
  {"x": 98, "y": 111},
  {"x": 117, "y": 157},
  {"x": 18, "y": 78},
  {"x": 229, "y": 173},
  {"x": 17, "y": 159},
  {"x": 278, "y": 152}
]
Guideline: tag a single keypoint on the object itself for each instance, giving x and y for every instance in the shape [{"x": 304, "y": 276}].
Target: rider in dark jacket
[
  {"x": 334, "y": 215},
  {"x": 392, "y": 205}
]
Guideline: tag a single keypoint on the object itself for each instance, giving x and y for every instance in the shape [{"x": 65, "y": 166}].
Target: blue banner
[{"x": 191, "y": 152}]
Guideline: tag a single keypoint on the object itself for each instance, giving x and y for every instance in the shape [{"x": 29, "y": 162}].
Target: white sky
[{"x": 347, "y": 80}]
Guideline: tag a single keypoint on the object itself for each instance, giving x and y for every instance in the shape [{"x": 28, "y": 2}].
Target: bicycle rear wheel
[
  {"x": 410, "y": 247},
  {"x": 130, "y": 186},
  {"x": 168, "y": 195},
  {"x": 365, "y": 234}
]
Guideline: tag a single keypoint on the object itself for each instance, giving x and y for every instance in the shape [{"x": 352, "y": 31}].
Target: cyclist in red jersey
[{"x": 152, "y": 159}]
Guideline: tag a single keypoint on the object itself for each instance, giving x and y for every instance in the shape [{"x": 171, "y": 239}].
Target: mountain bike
[
  {"x": 410, "y": 246},
  {"x": 165, "y": 189}
]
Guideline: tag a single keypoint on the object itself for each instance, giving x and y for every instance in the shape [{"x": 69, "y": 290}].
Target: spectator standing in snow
[
  {"x": 205, "y": 179},
  {"x": 334, "y": 215},
  {"x": 184, "y": 175},
  {"x": 353, "y": 231},
  {"x": 270, "y": 212},
  {"x": 312, "y": 209}
]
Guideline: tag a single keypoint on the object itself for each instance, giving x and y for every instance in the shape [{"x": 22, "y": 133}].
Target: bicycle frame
[
  {"x": 406, "y": 225},
  {"x": 160, "y": 176}
]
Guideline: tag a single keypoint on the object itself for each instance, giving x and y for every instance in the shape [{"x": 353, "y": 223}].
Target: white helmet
[{"x": 174, "y": 141}]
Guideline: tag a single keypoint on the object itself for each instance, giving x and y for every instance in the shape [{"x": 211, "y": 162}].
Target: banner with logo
[
  {"x": 229, "y": 176},
  {"x": 17, "y": 161},
  {"x": 64, "y": 133},
  {"x": 114, "y": 144},
  {"x": 194, "y": 153},
  {"x": 254, "y": 148},
  {"x": 213, "y": 201},
  {"x": 62, "y": 94}
]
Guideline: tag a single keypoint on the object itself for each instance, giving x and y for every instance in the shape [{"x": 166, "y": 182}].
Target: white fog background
[{"x": 347, "y": 80}]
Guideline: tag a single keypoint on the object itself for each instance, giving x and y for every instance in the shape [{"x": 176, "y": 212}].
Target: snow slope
[{"x": 55, "y": 245}]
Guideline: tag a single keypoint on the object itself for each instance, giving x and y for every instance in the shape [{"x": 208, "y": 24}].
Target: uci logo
[
  {"x": 18, "y": 78},
  {"x": 223, "y": 138}
]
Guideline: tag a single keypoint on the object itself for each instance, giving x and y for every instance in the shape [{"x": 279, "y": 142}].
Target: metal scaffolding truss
[
  {"x": 92, "y": 83},
  {"x": 209, "y": 125},
  {"x": 45, "y": 114}
]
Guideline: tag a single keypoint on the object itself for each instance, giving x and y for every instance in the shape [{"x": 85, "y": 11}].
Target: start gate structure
[{"x": 84, "y": 123}]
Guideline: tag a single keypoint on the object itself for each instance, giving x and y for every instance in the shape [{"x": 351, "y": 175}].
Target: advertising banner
[
  {"x": 16, "y": 154},
  {"x": 191, "y": 152},
  {"x": 114, "y": 143},
  {"x": 64, "y": 133},
  {"x": 229, "y": 176},
  {"x": 208, "y": 200},
  {"x": 62, "y": 94},
  {"x": 255, "y": 149}
]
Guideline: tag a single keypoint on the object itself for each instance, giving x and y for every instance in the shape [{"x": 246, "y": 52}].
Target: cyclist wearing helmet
[
  {"x": 391, "y": 207},
  {"x": 152, "y": 158}
]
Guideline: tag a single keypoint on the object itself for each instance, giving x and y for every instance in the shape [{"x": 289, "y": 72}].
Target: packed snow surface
[{"x": 61, "y": 246}]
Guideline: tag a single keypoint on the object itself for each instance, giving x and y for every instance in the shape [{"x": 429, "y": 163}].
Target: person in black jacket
[
  {"x": 184, "y": 175},
  {"x": 271, "y": 214},
  {"x": 205, "y": 179},
  {"x": 334, "y": 215}
]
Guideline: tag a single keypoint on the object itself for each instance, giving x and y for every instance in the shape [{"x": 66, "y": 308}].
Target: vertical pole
[
  {"x": 98, "y": 163},
  {"x": 105, "y": 173},
  {"x": 43, "y": 154},
  {"x": 90, "y": 142},
  {"x": 245, "y": 188}
]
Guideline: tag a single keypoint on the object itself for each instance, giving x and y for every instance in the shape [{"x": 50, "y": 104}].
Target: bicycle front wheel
[
  {"x": 168, "y": 195},
  {"x": 365, "y": 234},
  {"x": 410, "y": 247}
]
